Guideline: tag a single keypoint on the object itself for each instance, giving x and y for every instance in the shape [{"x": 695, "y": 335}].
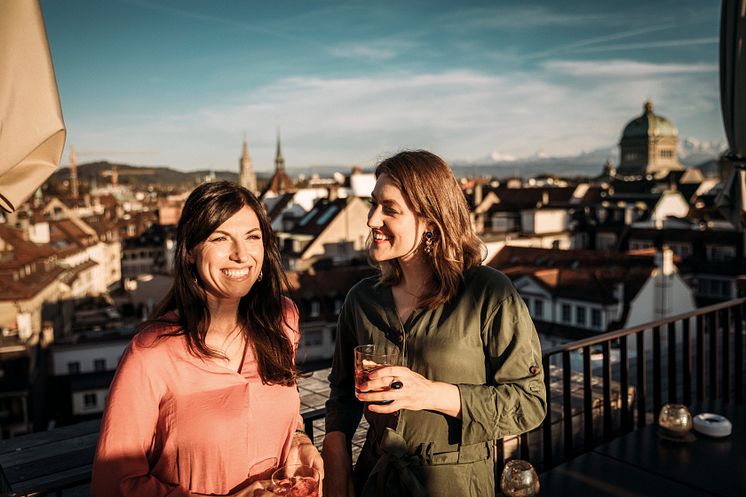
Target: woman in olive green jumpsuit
[{"x": 470, "y": 368}]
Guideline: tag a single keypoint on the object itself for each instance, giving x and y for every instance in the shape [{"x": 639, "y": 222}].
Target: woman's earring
[
  {"x": 261, "y": 275},
  {"x": 428, "y": 236}
]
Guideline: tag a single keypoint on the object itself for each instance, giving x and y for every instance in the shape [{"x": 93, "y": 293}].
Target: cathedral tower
[{"x": 280, "y": 182}]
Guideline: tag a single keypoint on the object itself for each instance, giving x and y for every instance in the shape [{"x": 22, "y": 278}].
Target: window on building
[
  {"x": 566, "y": 313},
  {"x": 315, "y": 308},
  {"x": 640, "y": 244},
  {"x": 681, "y": 249},
  {"x": 73, "y": 367},
  {"x": 327, "y": 215},
  {"x": 605, "y": 241},
  {"x": 538, "y": 308},
  {"x": 721, "y": 253},
  {"x": 580, "y": 315},
  {"x": 90, "y": 400},
  {"x": 313, "y": 338},
  {"x": 338, "y": 306},
  {"x": 596, "y": 318},
  {"x": 99, "y": 365},
  {"x": 717, "y": 288},
  {"x": 305, "y": 219}
]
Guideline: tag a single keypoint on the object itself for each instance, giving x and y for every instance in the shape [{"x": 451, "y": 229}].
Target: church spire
[
  {"x": 247, "y": 178},
  {"x": 279, "y": 160}
]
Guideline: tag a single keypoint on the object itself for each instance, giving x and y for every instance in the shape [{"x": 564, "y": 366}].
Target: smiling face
[
  {"x": 395, "y": 228},
  {"x": 229, "y": 261}
]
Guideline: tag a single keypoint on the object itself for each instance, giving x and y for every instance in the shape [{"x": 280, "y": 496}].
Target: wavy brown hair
[
  {"x": 428, "y": 184},
  {"x": 261, "y": 312}
]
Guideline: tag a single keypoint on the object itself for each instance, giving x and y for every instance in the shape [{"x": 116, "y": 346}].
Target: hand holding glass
[
  {"x": 296, "y": 480},
  {"x": 369, "y": 358}
]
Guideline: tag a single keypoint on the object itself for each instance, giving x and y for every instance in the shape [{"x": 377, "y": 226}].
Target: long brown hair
[
  {"x": 428, "y": 184},
  {"x": 260, "y": 312}
]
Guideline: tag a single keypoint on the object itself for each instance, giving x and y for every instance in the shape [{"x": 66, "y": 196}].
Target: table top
[
  {"x": 47, "y": 460},
  {"x": 642, "y": 464},
  {"x": 712, "y": 465},
  {"x": 593, "y": 475}
]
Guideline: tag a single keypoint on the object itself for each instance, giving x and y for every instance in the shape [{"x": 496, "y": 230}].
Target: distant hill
[
  {"x": 101, "y": 171},
  {"x": 588, "y": 164}
]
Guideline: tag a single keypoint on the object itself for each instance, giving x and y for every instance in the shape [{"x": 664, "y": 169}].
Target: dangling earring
[
  {"x": 261, "y": 275},
  {"x": 428, "y": 236}
]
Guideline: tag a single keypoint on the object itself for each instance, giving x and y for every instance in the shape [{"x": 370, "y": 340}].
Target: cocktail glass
[{"x": 369, "y": 358}]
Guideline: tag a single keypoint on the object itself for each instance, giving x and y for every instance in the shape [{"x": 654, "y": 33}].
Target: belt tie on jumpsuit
[
  {"x": 393, "y": 455},
  {"x": 393, "y": 474}
]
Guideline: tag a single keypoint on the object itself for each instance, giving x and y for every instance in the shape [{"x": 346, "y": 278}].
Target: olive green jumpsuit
[{"x": 485, "y": 343}]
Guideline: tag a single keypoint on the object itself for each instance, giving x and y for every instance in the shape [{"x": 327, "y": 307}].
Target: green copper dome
[{"x": 649, "y": 124}]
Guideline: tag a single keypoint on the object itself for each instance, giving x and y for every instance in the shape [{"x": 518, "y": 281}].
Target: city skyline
[{"x": 179, "y": 83}]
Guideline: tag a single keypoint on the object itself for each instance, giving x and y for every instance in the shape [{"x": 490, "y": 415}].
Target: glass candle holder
[
  {"x": 519, "y": 479},
  {"x": 675, "y": 420}
]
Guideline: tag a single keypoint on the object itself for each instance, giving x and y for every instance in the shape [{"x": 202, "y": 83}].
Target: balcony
[{"x": 600, "y": 389}]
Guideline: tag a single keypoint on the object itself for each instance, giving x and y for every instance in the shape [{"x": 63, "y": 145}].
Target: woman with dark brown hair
[
  {"x": 204, "y": 400},
  {"x": 470, "y": 362}
]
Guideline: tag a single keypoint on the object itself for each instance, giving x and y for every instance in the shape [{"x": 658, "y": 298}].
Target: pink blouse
[{"x": 175, "y": 423}]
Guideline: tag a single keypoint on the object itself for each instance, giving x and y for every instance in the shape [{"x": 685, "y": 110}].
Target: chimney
[
  {"x": 332, "y": 193},
  {"x": 477, "y": 194},
  {"x": 664, "y": 261},
  {"x": 629, "y": 214},
  {"x": 39, "y": 232}
]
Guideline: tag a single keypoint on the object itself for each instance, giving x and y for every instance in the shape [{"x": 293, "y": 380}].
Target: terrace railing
[
  {"x": 600, "y": 387},
  {"x": 605, "y": 386}
]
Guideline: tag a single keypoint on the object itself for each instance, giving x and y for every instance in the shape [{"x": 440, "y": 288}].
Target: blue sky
[{"x": 179, "y": 82}]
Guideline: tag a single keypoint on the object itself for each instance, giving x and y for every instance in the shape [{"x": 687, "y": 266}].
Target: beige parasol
[{"x": 32, "y": 132}]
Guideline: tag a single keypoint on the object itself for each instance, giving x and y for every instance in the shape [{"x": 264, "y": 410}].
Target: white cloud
[
  {"x": 498, "y": 157},
  {"x": 375, "y": 51},
  {"x": 624, "y": 68},
  {"x": 521, "y": 17},
  {"x": 650, "y": 44},
  {"x": 461, "y": 115}
]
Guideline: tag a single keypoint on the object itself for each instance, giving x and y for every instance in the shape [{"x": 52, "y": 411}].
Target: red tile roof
[
  {"x": 585, "y": 275},
  {"x": 24, "y": 252}
]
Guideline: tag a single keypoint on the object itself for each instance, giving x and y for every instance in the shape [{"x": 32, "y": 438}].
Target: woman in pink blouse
[{"x": 205, "y": 400}]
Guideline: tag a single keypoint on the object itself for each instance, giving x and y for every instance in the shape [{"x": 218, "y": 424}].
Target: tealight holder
[
  {"x": 675, "y": 421},
  {"x": 519, "y": 479}
]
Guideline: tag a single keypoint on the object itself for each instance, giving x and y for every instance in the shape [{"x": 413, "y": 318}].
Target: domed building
[{"x": 648, "y": 145}]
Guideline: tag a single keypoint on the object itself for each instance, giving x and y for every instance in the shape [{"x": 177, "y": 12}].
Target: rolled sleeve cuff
[{"x": 479, "y": 416}]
